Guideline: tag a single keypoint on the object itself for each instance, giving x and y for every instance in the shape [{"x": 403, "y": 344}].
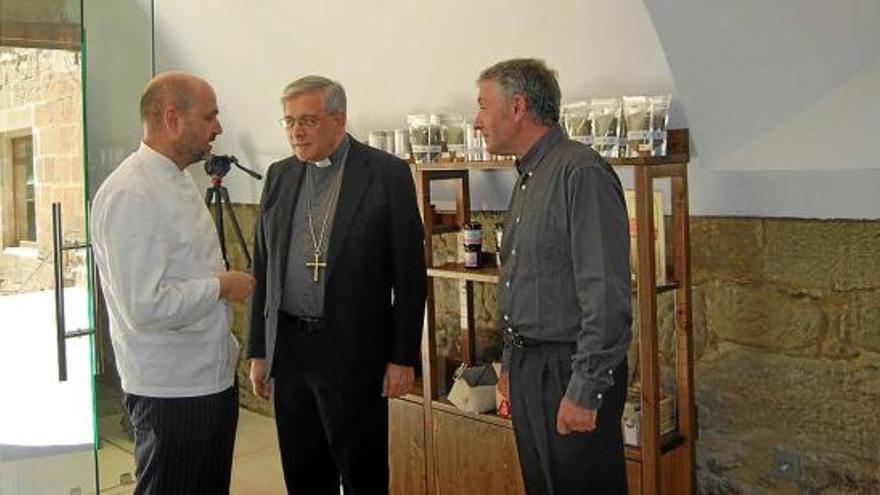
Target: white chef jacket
[{"x": 159, "y": 258}]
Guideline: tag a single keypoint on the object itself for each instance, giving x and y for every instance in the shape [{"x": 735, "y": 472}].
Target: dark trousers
[
  {"x": 183, "y": 445},
  {"x": 329, "y": 427},
  {"x": 578, "y": 463}
]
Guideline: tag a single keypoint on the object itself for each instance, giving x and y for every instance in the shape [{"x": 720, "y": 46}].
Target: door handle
[{"x": 61, "y": 334}]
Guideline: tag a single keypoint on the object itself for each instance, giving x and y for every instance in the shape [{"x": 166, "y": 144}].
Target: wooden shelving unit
[{"x": 438, "y": 449}]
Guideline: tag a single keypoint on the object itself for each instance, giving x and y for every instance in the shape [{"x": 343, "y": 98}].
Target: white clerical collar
[{"x": 323, "y": 163}]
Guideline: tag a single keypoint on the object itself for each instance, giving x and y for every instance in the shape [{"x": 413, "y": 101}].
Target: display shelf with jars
[{"x": 437, "y": 448}]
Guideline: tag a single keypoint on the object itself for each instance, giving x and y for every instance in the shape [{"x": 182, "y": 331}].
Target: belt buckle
[
  {"x": 515, "y": 338},
  {"x": 308, "y": 325}
]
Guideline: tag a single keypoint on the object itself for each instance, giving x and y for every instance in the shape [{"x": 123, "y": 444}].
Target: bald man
[{"x": 168, "y": 295}]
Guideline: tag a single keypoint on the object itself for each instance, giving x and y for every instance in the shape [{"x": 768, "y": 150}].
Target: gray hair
[
  {"x": 332, "y": 91},
  {"x": 530, "y": 78}
]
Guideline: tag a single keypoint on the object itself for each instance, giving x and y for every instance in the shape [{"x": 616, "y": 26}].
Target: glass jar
[
  {"x": 472, "y": 233},
  {"x": 426, "y": 137}
]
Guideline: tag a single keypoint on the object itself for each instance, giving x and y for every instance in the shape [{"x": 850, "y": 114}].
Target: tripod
[
  {"x": 217, "y": 167},
  {"x": 216, "y": 196}
]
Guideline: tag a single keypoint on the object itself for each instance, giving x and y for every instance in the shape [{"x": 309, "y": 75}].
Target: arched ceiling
[{"x": 784, "y": 85}]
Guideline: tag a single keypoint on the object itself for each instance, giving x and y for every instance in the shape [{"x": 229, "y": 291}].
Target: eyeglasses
[{"x": 307, "y": 121}]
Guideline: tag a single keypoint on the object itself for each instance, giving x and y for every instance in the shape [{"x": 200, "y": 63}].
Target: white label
[
  {"x": 473, "y": 236},
  {"x": 426, "y": 148},
  {"x": 457, "y": 148},
  {"x": 607, "y": 140},
  {"x": 636, "y": 135},
  {"x": 472, "y": 259}
]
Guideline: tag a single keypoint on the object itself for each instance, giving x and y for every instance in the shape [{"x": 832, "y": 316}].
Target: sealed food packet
[
  {"x": 576, "y": 121},
  {"x": 605, "y": 122},
  {"x": 637, "y": 124},
  {"x": 659, "y": 120},
  {"x": 453, "y": 125}
]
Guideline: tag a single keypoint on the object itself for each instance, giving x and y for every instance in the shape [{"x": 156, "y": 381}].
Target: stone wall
[
  {"x": 787, "y": 346},
  {"x": 788, "y": 371},
  {"x": 40, "y": 95}
]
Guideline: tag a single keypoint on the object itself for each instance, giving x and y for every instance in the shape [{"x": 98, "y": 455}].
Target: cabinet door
[
  {"x": 472, "y": 457},
  {"x": 406, "y": 447}
]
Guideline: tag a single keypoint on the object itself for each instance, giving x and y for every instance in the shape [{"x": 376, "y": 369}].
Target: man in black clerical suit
[{"x": 337, "y": 312}]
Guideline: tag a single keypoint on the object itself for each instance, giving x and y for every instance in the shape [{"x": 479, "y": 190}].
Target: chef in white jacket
[{"x": 168, "y": 295}]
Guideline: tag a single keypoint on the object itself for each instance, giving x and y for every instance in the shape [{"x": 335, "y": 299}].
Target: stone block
[
  {"x": 843, "y": 255},
  {"x": 813, "y": 405},
  {"x": 765, "y": 317},
  {"x": 24, "y": 94},
  {"x": 19, "y": 118},
  {"x": 726, "y": 249},
  {"x": 63, "y": 110},
  {"x": 700, "y": 330},
  {"x": 44, "y": 168},
  {"x": 865, "y": 326}
]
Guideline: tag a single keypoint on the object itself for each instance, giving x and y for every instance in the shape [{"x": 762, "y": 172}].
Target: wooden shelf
[
  {"x": 633, "y": 452},
  {"x": 678, "y": 151},
  {"x": 668, "y": 442},
  {"x": 444, "y": 405},
  {"x": 458, "y": 271},
  {"x": 489, "y": 275},
  {"x": 508, "y": 164},
  {"x": 648, "y": 160},
  {"x": 445, "y": 437},
  {"x": 460, "y": 166}
]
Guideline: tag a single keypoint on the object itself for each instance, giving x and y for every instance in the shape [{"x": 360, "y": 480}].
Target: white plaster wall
[
  {"x": 395, "y": 57},
  {"x": 806, "y": 67}
]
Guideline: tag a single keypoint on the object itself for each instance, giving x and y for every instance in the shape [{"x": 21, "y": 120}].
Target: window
[{"x": 23, "y": 191}]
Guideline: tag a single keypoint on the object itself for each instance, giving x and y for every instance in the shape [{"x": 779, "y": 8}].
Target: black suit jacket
[{"x": 376, "y": 249}]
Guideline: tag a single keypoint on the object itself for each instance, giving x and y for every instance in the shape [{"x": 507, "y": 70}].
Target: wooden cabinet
[
  {"x": 406, "y": 447},
  {"x": 437, "y": 449}
]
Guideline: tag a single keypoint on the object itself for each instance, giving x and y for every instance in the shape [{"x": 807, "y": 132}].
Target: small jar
[
  {"x": 473, "y": 244},
  {"x": 472, "y": 256},
  {"x": 473, "y": 234},
  {"x": 377, "y": 139}
]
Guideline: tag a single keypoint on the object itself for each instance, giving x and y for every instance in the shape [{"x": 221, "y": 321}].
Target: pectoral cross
[{"x": 316, "y": 264}]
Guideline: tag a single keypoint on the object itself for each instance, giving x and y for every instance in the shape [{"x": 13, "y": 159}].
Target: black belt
[
  {"x": 303, "y": 324},
  {"x": 519, "y": 340}
]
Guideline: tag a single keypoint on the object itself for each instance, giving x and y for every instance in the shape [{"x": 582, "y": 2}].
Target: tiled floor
[{"x": 256, "y": 468}]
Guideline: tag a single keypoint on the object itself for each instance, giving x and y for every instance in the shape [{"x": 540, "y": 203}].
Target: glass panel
[
  {"x": 47, "y": 424},
  {"x": 119, "y": 64}
]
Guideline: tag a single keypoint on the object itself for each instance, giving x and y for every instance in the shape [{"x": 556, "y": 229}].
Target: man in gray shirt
[{"x": 564, "y": 289}]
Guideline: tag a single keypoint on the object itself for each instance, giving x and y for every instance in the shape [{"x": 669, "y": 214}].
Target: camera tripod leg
[
  {"x": 213, "y": 198},
  {"x": 224, "y": 193}
]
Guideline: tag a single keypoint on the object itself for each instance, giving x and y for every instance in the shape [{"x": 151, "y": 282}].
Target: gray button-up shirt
[
  {"x": 565, "y": 274},
  {"x": 302, "y": 296}
]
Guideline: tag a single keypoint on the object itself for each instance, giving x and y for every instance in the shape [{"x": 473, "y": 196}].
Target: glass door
[
  {"x": 47, "y": 418},
  {"x": 119, "y": 63}
]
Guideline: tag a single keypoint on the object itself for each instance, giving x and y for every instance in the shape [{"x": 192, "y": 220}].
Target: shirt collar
[
  {"x": 162, "y": 162},
  {"x": 337, "y": 156},
  {"x": 530, "y": 161}
]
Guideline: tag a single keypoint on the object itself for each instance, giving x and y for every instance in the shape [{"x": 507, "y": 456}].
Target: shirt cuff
[
  {"x": 214, "y": 287},
  {"x": 585, "y": 392}
]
